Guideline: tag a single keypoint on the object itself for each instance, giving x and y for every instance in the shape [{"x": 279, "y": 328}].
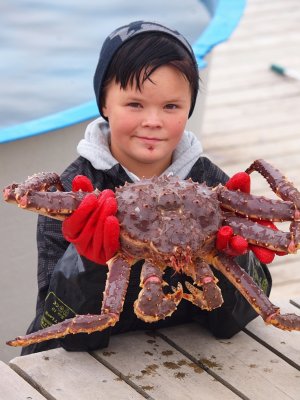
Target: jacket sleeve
[{"x": 51, "y": 246}]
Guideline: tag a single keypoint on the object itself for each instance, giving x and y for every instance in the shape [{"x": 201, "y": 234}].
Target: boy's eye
[
  {"x": 171, "y": 106},
  {"x": 134, "y": 105}
]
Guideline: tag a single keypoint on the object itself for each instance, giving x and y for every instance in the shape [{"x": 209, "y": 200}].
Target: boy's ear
[{"x": 104, "y": 110}]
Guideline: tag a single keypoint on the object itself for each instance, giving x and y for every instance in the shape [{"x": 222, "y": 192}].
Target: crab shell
[{"x": 163, "y": 220}]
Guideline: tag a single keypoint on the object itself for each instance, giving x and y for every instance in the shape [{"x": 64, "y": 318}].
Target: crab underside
[{"x": 173, "y": 223}]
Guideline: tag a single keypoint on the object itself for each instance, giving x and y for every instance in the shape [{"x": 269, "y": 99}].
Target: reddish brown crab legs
[{"x": 187, "y": 217}]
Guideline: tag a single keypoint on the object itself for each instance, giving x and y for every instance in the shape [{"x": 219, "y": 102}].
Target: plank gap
[
  {"x": 271, "y": 348},
  {"x": 31, "y": 382},
  {"x": 294, "y": 303}
]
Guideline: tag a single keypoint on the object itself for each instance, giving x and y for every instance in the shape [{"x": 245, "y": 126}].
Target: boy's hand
[
  {"x": 236, "y": 245},
  {"x": 93, "y": 228}
]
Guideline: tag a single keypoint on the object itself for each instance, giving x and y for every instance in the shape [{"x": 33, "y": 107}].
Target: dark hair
[{"x": 139, "y": 57}]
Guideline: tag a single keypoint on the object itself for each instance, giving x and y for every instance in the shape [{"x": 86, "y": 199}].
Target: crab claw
[
  {"x": 286, "y": 322},
  {"x": 209, "y": 298},
  {"x": 152, "y": 304}
]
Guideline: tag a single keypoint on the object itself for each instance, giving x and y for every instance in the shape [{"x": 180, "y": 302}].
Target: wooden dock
[
  {"x": 251, "y": 112},
  {"x": 182, "y": 362}
]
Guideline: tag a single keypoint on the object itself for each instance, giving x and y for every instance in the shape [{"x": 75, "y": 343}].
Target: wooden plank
[
  {"x": 260, "y": 136},
  {"x": 281, "y": 161},
  {"x": 13, "y": 387},
  {"x": 239, "y": 68},
  {"x": 243, "y": 34},
  {"x": 243, "y": 362},
  {"x": 285, "y": 270},
  {"x": 263, "y": 56},
  {"x": 295, "y": 301},
  {"x": 287, "y": 291},
  {"x": 237, "y": 83},
  {"x": 284, "y": 162},
  {"x": 255, "y": 150},
  {"x": 280, "y": 262},
  {"x": 260, "y": 47},
  {"x": 250, "y": 136},
  {"x": 229, "y": 68},
  {"x": 258, "y": 150},
  {"x": 256, "y": 42},
  {"x": 253, "y": 94},
  {"x": 285, "y": 343},
  {"x": 268, "y": 9},
  {"x": 286, "y": 278},
  {"x": 263, "y": 79},
  {"x": 159, "y": 369},
  {"x": 240, "y": 117},
  {"x": 62, "y": 375}
]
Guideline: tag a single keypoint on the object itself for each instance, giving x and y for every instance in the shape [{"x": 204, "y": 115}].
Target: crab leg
[
  {"x": 57, "y": 205},
  {"x": 152, "y": 304},
  {"x": 9, "y": 193},
  {"x": 112, "y": 305},
  {"x": 277, "y": 181},
  {"x": 257, "y": 206},
  {"x": 295, "y": 231},
  {"x": 37, "y": 182},
  {"x": 263, "y": 236},
  {"x": 60, "y": 204},
  {"x": 254, "y": 295},
  {"x": 210, "y": 297}
]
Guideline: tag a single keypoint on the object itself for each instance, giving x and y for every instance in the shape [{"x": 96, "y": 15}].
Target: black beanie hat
[{"x": 117, "y": 38}]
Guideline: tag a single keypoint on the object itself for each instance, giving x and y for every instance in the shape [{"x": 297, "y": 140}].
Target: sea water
[{"x": 49, "y": 48}]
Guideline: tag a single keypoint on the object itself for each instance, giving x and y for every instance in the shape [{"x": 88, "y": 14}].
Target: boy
[{"x": 146, "y": 84}]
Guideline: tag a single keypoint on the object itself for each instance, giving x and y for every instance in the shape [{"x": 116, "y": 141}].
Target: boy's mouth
[{"x": 149, "y": 139}]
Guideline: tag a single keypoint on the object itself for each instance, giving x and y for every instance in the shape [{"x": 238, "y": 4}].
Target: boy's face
[{"x": 147, "y": 125}]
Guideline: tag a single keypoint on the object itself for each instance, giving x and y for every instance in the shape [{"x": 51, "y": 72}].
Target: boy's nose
[{"x": 152, "y": 119}]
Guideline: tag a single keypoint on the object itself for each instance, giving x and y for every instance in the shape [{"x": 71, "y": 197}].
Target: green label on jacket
[{"x": 55, "y": 311}]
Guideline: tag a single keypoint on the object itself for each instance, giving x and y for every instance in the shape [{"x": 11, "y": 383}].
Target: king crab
[{"x": 174, "y": 223}]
